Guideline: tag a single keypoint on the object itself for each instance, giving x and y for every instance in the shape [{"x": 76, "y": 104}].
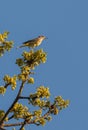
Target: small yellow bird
[{"x": 33, "y": 43}]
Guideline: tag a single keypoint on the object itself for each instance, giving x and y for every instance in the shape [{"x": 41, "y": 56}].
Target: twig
[
  {"x": 24, "y": 123},
  {"x": 6, "y": 85},
  {"x": 21, "y": 97},
  {"x": 17, "y": 124},
  {"x": 10, "y": 117}
]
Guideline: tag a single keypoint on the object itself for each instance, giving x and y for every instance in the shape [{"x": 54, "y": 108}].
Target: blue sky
[{"x": 65, "y": 23}]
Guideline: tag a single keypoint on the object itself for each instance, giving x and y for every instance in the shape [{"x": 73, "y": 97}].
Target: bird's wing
[{"x": 31, "y": 41}]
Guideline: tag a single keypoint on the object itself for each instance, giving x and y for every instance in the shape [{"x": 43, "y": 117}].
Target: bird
[{"x": 33, "y": 42}]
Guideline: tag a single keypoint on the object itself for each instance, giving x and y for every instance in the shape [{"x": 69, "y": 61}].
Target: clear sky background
[{"x": 65, "y": 23}]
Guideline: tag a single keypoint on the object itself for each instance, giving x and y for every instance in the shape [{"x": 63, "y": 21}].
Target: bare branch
[
  {"x": 24, "y": 123},
  {"x": 6, "y": 85},
  {"x": 22, "y": 97}
]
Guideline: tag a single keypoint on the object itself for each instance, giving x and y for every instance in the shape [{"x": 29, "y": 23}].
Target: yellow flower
[
  {"x": 31, "y": 80},
  {"x": 1, "y": 38},
  {"x": 4, "y": 44},
  {"x": 49, "y": 118},
  {"x": 2, "y": 113},
  {"x": 43, "y": 92},
  {"x": 27, "y": 55},
  {"x": 56, "y": 111},
  {"x": 23, "y": 76},
  {"x": 42, "y": 121},
  {"x": 2, "y": 90},
  {"x": 19, "y": 61},
  {"x": 10, "y": 80},
  {"x": 20, "y": 111},
  {"x": 25, "y": 68},
  {"x": 37, "y": 101},
  {"x": 61, "y": 102},
  {"x": 38, "y": 112},
  {"x": 5, "y": 34}
]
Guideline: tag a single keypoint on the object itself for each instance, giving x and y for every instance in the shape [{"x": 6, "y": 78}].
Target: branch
[
  {"x": 14, "y": 124},
  {"x": 24, "y": 123},
  {"x": 12, "y": 105},
  {"x": 21, "y": 97},
  {"x": 11, "y": 117},
  {"x": 6, "y": 85},
  {"x": 46, "y": 114},
  {"x": 17, "y": 124}
]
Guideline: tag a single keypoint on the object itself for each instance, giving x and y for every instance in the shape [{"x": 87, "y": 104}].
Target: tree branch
[
  {"x": 24, "y": 123},
  {"x": 11, "y": 117},
  {"x": 6, "y": 85},
  {"x": 22, "y": 97},
  {"x": 17, "y": 124},
  {"x": 12, "y": 105}
]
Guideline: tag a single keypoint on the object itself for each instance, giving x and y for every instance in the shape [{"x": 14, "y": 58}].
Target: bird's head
[{"x": 42, "y": 37}]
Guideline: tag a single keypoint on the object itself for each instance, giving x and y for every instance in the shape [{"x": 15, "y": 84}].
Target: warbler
[{"x": 33, "y": 43}]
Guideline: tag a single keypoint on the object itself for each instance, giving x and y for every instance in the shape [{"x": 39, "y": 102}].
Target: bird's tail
[{"x": 20, "y": 47}]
